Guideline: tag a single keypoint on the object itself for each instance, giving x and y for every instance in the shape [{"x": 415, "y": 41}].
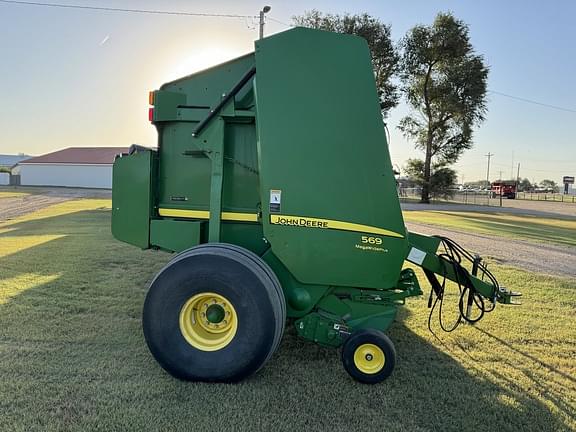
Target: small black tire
[
  {"x": 247, "y": 288},
  {"x": 368, "y": 356}
]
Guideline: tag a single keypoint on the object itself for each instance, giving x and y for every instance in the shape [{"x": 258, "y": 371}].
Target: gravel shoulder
[
  {"x": 37, "y": 199},
  {"x": 538, "y": 257},
  {"x": 566, "y": 209}
]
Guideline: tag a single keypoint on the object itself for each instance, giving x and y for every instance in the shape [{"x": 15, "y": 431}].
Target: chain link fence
[
  {"x": 546, "y": 196},
  {"x": 483, "y": 197},
  {"x": 465, "y": 197}
]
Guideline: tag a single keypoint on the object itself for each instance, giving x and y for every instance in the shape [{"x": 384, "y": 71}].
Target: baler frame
[{"x": 332, "y": 305}]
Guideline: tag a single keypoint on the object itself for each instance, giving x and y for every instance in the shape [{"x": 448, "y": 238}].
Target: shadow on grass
[
  {"x": 72, "y": 357},
  {"x": 526, "y": 355}
]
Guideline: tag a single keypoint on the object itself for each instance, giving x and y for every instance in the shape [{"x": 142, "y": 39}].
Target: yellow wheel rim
[
  {"x": 208, "y": 321},
  {"x": 369, "y": 358}
]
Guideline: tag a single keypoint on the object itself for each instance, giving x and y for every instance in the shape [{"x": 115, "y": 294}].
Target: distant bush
[{"x": 442, "y": 180}]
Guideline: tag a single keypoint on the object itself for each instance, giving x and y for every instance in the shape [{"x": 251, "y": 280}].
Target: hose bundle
[{"x": 454, "y": 255}]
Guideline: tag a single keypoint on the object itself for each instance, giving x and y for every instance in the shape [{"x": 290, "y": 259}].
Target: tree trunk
[{"x": 425, "y": 197}]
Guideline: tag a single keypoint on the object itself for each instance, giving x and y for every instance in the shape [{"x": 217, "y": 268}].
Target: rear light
[
  {"x": 151, "y": 96},
  {"x": 151, "y": 114}
]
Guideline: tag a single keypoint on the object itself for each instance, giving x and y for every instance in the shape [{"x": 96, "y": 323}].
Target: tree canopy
[
  {"x": 550, "y": 184},
  {"x": 524, "y": 185},
  {"x": 444, "y": 82}
]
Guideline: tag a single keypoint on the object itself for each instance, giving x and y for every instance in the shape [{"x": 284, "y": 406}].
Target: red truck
[{"x": 506, "y": 188}]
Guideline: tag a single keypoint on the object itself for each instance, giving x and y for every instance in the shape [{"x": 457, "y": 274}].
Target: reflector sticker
[
  {"x": 275, "y": 200},
  {"x": 416, "y": 256}
]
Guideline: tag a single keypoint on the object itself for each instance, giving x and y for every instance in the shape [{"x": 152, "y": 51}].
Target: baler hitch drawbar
[
  {"x": 272, "y": 183},
  {"x": 470, "y": 298}
]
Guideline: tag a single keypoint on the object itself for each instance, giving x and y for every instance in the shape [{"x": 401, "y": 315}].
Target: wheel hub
[
  {"x": 369, "y": 358},
  {"x": 208, "y": 321},
  {"x": 215, "y": 313}
]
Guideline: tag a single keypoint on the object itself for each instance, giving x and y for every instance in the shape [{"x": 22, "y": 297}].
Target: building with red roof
[{"x": 89, "y": 167}]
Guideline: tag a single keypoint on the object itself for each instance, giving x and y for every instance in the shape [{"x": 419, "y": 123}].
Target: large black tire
[
  {"x": 369, "y": 356},
  {"x": 249, "y": 286}
]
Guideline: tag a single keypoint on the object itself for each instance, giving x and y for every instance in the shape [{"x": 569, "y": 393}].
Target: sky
[{"x": 74, "y": 77}]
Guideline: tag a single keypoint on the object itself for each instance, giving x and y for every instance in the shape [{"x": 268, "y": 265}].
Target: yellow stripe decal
[
  {"x": 301, "y": 221},
  {"x": 204, "y": 214}
]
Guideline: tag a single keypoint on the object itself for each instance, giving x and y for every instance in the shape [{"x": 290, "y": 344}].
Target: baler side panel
[
  {"x": 132, "y": 198},
  {"x": 241, "y": 188},
  {"x": 185, "y": 168},
  {"x": 205, "y": 88},
  {"x": 185, "y": 178},
  {"x": 321, "y": 142}
]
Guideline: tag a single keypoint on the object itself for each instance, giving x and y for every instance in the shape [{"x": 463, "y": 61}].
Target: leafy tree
[
  {"x": 445, "y": 86},
  {"x": 550, "y": 184},
  {"x": 524, "y": 185},
  {"x": 385, "y": 58},
  {"x": 442, "y": 179}
]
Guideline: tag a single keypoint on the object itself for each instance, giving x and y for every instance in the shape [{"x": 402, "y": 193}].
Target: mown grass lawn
[
  {"x": 20, "y": 191},
  {"x": 11, "y": 194},
  {"x": 535, "y": 228},
  {"x": 72, "y": 354}
]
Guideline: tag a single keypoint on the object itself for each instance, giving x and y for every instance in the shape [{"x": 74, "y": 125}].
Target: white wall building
[
  {"x": 4, "y": 178},
  {"x": 89, "y": 167}
]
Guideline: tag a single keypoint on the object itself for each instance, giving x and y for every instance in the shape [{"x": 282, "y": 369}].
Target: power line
[
  {"x": 280, "y": 22},
  {"x": 111, "y": 9},
  {"x": 478, "y": 160},
  {"x": 533, "y": 102},
  {"x": 544, "y": 170},
  {"x": 215, "y": 15},
  {"x": 499, "y": 164}
]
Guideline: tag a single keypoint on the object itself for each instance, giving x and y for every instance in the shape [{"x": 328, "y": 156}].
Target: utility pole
[
  {"x": 264, "y": 10},
  {"x": 489, "y": 155},
  {"x": 501, "y": 188},
  {"x": 512, "y": 169}
]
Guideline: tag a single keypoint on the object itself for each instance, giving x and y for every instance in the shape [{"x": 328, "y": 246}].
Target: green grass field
[
  {"x": 73, "y": 358},
  {"x": 20, "y": 191},
  {"x": 535, "y": 228},
  {"x": 11, "y": 194}
]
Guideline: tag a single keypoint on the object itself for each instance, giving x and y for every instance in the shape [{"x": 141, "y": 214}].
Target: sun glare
[
  {"x": 198, "y": 60},
  {"x": 11, "y": 287}
]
